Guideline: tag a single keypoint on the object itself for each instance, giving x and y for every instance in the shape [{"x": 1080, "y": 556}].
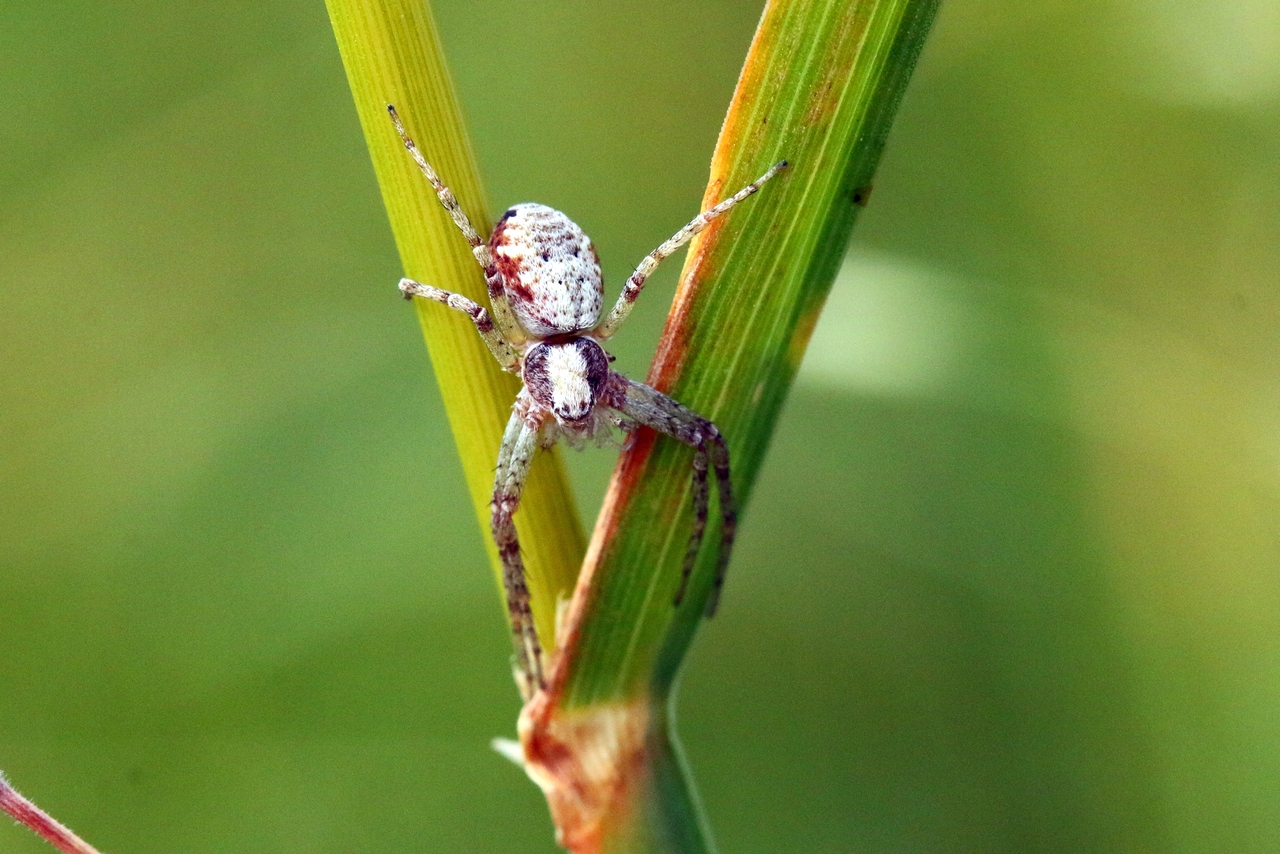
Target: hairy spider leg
[
  {"x": 503, "y": 317},
  {"x": 719, "y": 452},
  {"x": 501, "y": 348},
  {"x": 701, "y": 501},
  {"x": 652, "y": 408},
  {"x": 519, "y": 443},
  {"x": 631, "y": 290}
]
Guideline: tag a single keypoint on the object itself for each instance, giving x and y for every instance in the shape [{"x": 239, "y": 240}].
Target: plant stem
[
  {"x": 820, "y": 87},
  {"x": 40, "y": 822},
  {"x": 392, "y": 55}
]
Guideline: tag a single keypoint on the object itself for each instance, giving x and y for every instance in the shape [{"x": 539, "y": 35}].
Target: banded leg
[
  {"x": 648, "y": 406},
  {"x": 519, "y": 443},
  {"x": 719, "y": 452},
  {"x": 502, "y": 350},
  {"x": 701, "y": 503},
  {"x": 631, "y": 290},
  {"x": 502, "y": 316}
]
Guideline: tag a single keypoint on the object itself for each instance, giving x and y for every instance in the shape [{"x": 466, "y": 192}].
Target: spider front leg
[
  {"x": 631, "y": 290},
  {"x": 652, "y": 408},
  {"x": 519, "y": 443}
]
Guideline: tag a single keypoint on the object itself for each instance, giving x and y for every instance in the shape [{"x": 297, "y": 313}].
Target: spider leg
[
  {"x": 631, "y": 290},
  {"x": 501, "y": 348},
  {"x": 519, "y": 443},
  {"x": 506, "y": 322},
  {"x": 648, "y": 406},
  {"x": 729, "y": 512},
  {"x": 701, "y": 501}
]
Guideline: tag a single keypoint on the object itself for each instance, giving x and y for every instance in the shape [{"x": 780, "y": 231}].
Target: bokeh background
[{"x": 1011, "y": 578}]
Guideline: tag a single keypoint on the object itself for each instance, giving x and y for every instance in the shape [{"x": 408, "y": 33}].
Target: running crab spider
[{"x": 546, "y": 293}]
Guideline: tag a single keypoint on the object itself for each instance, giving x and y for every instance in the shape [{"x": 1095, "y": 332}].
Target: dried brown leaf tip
[{"x": 587, "y": 762}]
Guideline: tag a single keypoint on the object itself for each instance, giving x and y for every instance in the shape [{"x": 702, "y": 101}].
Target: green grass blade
[
  {"x": 820, "y": 88},
  {"x": 392, "y": 55}
]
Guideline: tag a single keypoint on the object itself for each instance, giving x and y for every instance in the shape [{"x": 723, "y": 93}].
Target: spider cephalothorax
[
  {"x": 567, "y": 378},
  {"x": 546, "y": 293}
]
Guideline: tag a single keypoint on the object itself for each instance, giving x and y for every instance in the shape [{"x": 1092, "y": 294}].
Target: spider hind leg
[
  {"x": 631, "y": 290},
  {"x": 501, "y": 348},
  {"x": 502, "y": 316}
]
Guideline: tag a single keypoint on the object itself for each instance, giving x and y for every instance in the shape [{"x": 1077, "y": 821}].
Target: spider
[{"x": 546, "y": 291}]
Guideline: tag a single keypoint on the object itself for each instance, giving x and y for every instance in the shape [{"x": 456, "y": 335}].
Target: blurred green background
[{"x": 1011, "y": 578}]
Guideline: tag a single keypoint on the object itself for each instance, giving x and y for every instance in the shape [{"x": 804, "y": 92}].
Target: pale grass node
[{"x": 546, "y": 293}]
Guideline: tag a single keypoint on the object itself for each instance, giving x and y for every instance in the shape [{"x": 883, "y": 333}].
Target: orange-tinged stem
[{"x": 820, "y": 87}]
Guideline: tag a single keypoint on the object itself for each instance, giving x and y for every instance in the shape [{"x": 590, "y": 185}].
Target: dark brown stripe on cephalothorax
[
  {"x": 536, "y": 378},
  {"x": 597, "y": 365}
]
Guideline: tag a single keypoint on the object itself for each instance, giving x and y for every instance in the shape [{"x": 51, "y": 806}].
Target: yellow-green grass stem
[{"x": 392, "y": 55}]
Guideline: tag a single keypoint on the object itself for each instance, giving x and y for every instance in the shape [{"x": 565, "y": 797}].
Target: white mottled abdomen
[{"x": 550, "y": 270}]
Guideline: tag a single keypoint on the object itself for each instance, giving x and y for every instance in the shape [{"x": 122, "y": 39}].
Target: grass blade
[
  {"x": 392, "y": 55},
  {"x": 40, "y": 822},
  {"x": 820, "y": 88}
]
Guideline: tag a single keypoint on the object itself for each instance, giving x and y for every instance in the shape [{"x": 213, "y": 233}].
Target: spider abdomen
[{"x": 550, "y": 270}]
